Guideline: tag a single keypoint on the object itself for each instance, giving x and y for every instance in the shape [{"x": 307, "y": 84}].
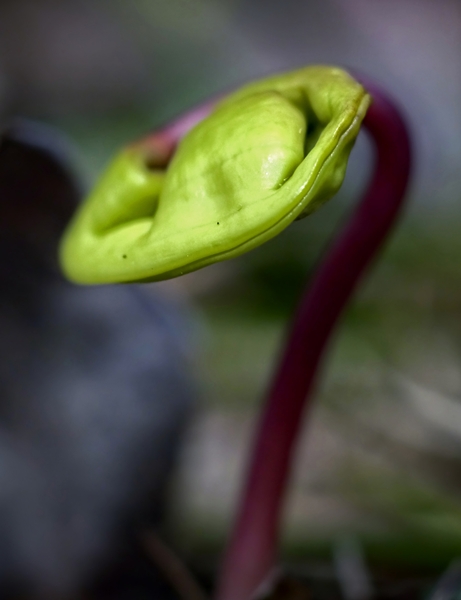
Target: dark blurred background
[{"x": 381, "y": 458}]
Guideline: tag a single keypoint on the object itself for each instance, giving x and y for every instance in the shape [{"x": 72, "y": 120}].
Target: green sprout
[{"x": 222, "y": 180}]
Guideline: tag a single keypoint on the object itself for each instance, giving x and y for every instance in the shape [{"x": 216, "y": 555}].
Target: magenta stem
[
  {"x": 252, "y": 551},
  {"x": 160, "y": 145}
]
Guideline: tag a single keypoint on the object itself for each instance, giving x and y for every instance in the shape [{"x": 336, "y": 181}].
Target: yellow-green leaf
[{"x": 267, "y": 154}]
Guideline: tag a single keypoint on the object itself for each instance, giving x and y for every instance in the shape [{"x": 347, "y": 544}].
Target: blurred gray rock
[
  {"x": 94, "y": 396},
  {"x": 95, "y": 390}
]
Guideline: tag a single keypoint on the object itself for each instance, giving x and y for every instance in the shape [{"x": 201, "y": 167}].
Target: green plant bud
[{"x": 267, "y": 154}]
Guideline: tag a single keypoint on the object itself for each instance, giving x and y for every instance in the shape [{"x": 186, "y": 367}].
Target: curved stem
[{"x": 252, "y": 550}]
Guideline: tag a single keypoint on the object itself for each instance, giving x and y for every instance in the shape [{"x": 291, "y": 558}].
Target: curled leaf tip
[{"x": 267, "y": 154}]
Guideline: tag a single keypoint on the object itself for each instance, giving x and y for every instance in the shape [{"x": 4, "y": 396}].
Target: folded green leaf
[{"x": 269, "y": 153}]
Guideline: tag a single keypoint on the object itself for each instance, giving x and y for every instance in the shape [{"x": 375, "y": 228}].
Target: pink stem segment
[
  {"x": 159, "y": 146},
  {"x": 252, "y": 552}
]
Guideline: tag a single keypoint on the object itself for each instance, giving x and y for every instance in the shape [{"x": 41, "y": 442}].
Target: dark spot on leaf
[
  {"x": 217, "y": 223},
  {"x": 124, "y": 256}
]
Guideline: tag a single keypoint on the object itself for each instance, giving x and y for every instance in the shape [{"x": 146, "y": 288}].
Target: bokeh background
[{"x": 380, "y": 460}]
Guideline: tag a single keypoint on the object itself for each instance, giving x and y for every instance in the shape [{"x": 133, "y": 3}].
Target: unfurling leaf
[{"x": 267, "y": 154}]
